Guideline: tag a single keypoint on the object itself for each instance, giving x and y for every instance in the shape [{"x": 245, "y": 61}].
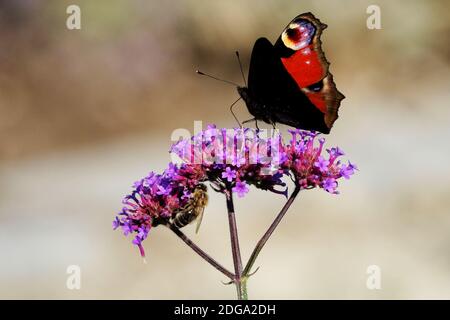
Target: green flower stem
[
  {"x": 268, "y": 233},
  {"x": 244, "y": 288},
  {"x": 201, "y": 253}
]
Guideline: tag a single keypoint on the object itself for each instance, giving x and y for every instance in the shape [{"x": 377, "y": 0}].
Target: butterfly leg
[
  {"x": 231, "y": 110},
  {"x": 250, "y": 120},
  {"x": 274, "y": 127}
]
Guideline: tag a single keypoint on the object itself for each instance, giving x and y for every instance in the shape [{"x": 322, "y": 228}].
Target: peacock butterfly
[{"x": 289, "y": 82}]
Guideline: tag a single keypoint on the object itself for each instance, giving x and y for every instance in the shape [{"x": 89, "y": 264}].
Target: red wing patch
[{"x": 308, "y": 65}]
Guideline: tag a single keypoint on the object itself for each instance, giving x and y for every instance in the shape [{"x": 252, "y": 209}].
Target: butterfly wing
[
  {"x": 300, "y": 50},
  {"x": 290, "y": 84},
  {"x": 274, "y": 94}
]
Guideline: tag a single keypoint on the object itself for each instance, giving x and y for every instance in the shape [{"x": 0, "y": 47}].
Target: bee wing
[{"x": 199, "y": 219}]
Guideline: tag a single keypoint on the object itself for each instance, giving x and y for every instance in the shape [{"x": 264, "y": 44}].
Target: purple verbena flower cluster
[
  {"x": 231, "y": 160},
  {"x": 155, "y": 199},
  {"x": 306, "y": 161}
]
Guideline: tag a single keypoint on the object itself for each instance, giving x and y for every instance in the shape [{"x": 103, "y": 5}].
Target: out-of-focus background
[{"x": 85, "y": 113}]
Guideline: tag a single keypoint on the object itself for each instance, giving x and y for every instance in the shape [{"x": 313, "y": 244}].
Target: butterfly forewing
[{"x": 289, "y": 82}]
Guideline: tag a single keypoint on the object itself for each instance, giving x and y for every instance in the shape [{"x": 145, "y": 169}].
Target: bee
[{"x": 193, "y": 210}]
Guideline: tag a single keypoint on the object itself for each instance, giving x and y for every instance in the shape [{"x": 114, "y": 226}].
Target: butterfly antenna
[
  {"x": 231, "y": 110},
  {"x": 215, "y": 78},
  {"x": 240, "y": 67}
]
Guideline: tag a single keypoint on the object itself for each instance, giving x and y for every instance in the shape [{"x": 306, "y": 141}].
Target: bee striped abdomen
[{"x": 183, "y": 218}]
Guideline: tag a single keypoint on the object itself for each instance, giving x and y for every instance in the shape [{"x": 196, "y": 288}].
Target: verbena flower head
[
  {"x": 312, "y": 166},
  {"x": 232, "y": 159},
  {"x": 155, "y": 199}
]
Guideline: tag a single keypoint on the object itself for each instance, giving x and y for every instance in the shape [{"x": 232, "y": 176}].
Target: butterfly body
[{"x": 289, "y": 82}]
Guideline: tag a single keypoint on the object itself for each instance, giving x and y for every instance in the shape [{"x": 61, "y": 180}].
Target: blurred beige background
[{"x": 85, "y": 113}]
